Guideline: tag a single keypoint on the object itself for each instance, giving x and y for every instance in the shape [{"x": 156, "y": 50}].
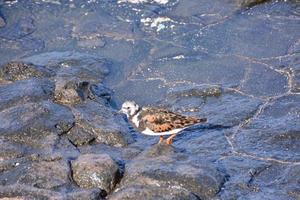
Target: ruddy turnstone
[{"x": 157, "y": 121}]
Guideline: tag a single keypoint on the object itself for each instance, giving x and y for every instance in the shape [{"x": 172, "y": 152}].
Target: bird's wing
[{"x": 161, "y": 120}]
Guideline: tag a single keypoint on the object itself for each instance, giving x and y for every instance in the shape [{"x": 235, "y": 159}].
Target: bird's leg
[
  {"x": 169, "y": 139},
  {"x": 161, "y": 138}
]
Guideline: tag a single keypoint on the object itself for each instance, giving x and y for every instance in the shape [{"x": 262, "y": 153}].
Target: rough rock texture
[
  {"x": 66, "y": 67},
  {"x": 15, "y": 71},
  {"x": 21, "y": 92},
  {"x": 46, "y": 175},
  {"x": 96, "y": 171},
  {"x": 161, "y": 167}
]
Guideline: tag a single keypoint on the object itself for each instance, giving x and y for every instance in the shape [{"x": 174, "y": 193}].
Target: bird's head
[{"x": 129, "y": 108}]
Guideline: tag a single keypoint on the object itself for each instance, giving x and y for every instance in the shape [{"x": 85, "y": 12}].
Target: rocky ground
[{"x": 66, "y": 66}]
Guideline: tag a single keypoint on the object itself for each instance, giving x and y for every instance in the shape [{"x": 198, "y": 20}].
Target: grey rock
[
  {"x": 25, "y": 91},
  {"x": 9, "y": 150},
  {"x": 259, "y": 79},
  {"x": 72, "y": 66},
  {"x": 251, "y": 179},
  {"x": 195, "y": 91},
  {"x": 222, "y": 107},
  {"x": 136, "y": 192},
  {"x": 275, "y": 132},
  {"x": 37, "y": 125},
  {"x": 96, "y": 170},
  {"x": 76, "y": 92},
  {"x": 92, "y": 43},
  {"x": 100, "y": 121},
  {"x": 21, "y": 192},
  {"x": 20, "y": 28},
  {"x": 88, "y": 194},
  {"x": 13, "y": 71},
  {"x": 249, "y": 3},
  {"x": 68, "y": 94},
  {"x": 296, "y": 81},
  {"x": 46, "y": 175},
  {"x": 161, "y": 167},
  {"x": 80, "y": 135}
]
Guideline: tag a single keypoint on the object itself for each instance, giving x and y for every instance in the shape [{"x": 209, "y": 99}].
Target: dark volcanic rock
[
  {"x": 99, "y": 121},
  {"x": 220, "y": 107},
  {"x": 46, "y": 174},
  {"x": 160, "y": 167},
  {"x": 72, "y": 66},
  {"x": 254, "y": 179},
  {"x": 68, "y": 94},
  {"x": 21, "y": 92},
  {"x": 18, "y": 71},
  {"x": 96, "y": 170},
  {"x": 73, "y": 92},
  {"x": 35, "y": 124},
  {"x": 137, "y": 192},
  {"x": 24, "y": 192},
  {"x": 77, "y": 74},
  {"x": 249, "y": 3},
  {"x": 275, "y": 132},
  {"x": 9, "y": 150}
]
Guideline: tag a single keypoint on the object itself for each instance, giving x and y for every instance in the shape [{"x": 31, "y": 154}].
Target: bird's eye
[{"x": 128, "y": 107}]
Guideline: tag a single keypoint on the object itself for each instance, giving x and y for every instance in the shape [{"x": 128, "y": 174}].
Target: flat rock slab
[
  {"x": 275, "y": 132},
  {"x": 96, "y": 171},
  {"x": 251, "y": 178}
]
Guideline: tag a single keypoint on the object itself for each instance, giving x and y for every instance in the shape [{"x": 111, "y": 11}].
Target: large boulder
[
  {"x": 96, "y": 171},
  {"x": 96, "y": 120}
]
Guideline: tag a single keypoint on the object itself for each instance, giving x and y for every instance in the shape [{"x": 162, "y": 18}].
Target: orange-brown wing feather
[{"x": 160, "y": 120}]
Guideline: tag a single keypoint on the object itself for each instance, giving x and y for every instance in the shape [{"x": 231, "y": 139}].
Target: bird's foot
[
  {"x": 161, "y": 139},
  {"x": 169, "y": 139}
]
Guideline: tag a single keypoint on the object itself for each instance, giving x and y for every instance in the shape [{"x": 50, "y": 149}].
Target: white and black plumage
[{"x": 157, "y": 121}]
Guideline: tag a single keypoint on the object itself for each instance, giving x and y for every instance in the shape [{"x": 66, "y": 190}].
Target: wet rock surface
[{"x": 66, "y": 67}]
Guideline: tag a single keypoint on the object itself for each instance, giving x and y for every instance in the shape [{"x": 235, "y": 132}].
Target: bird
[{"x": 157, "y": 121}]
